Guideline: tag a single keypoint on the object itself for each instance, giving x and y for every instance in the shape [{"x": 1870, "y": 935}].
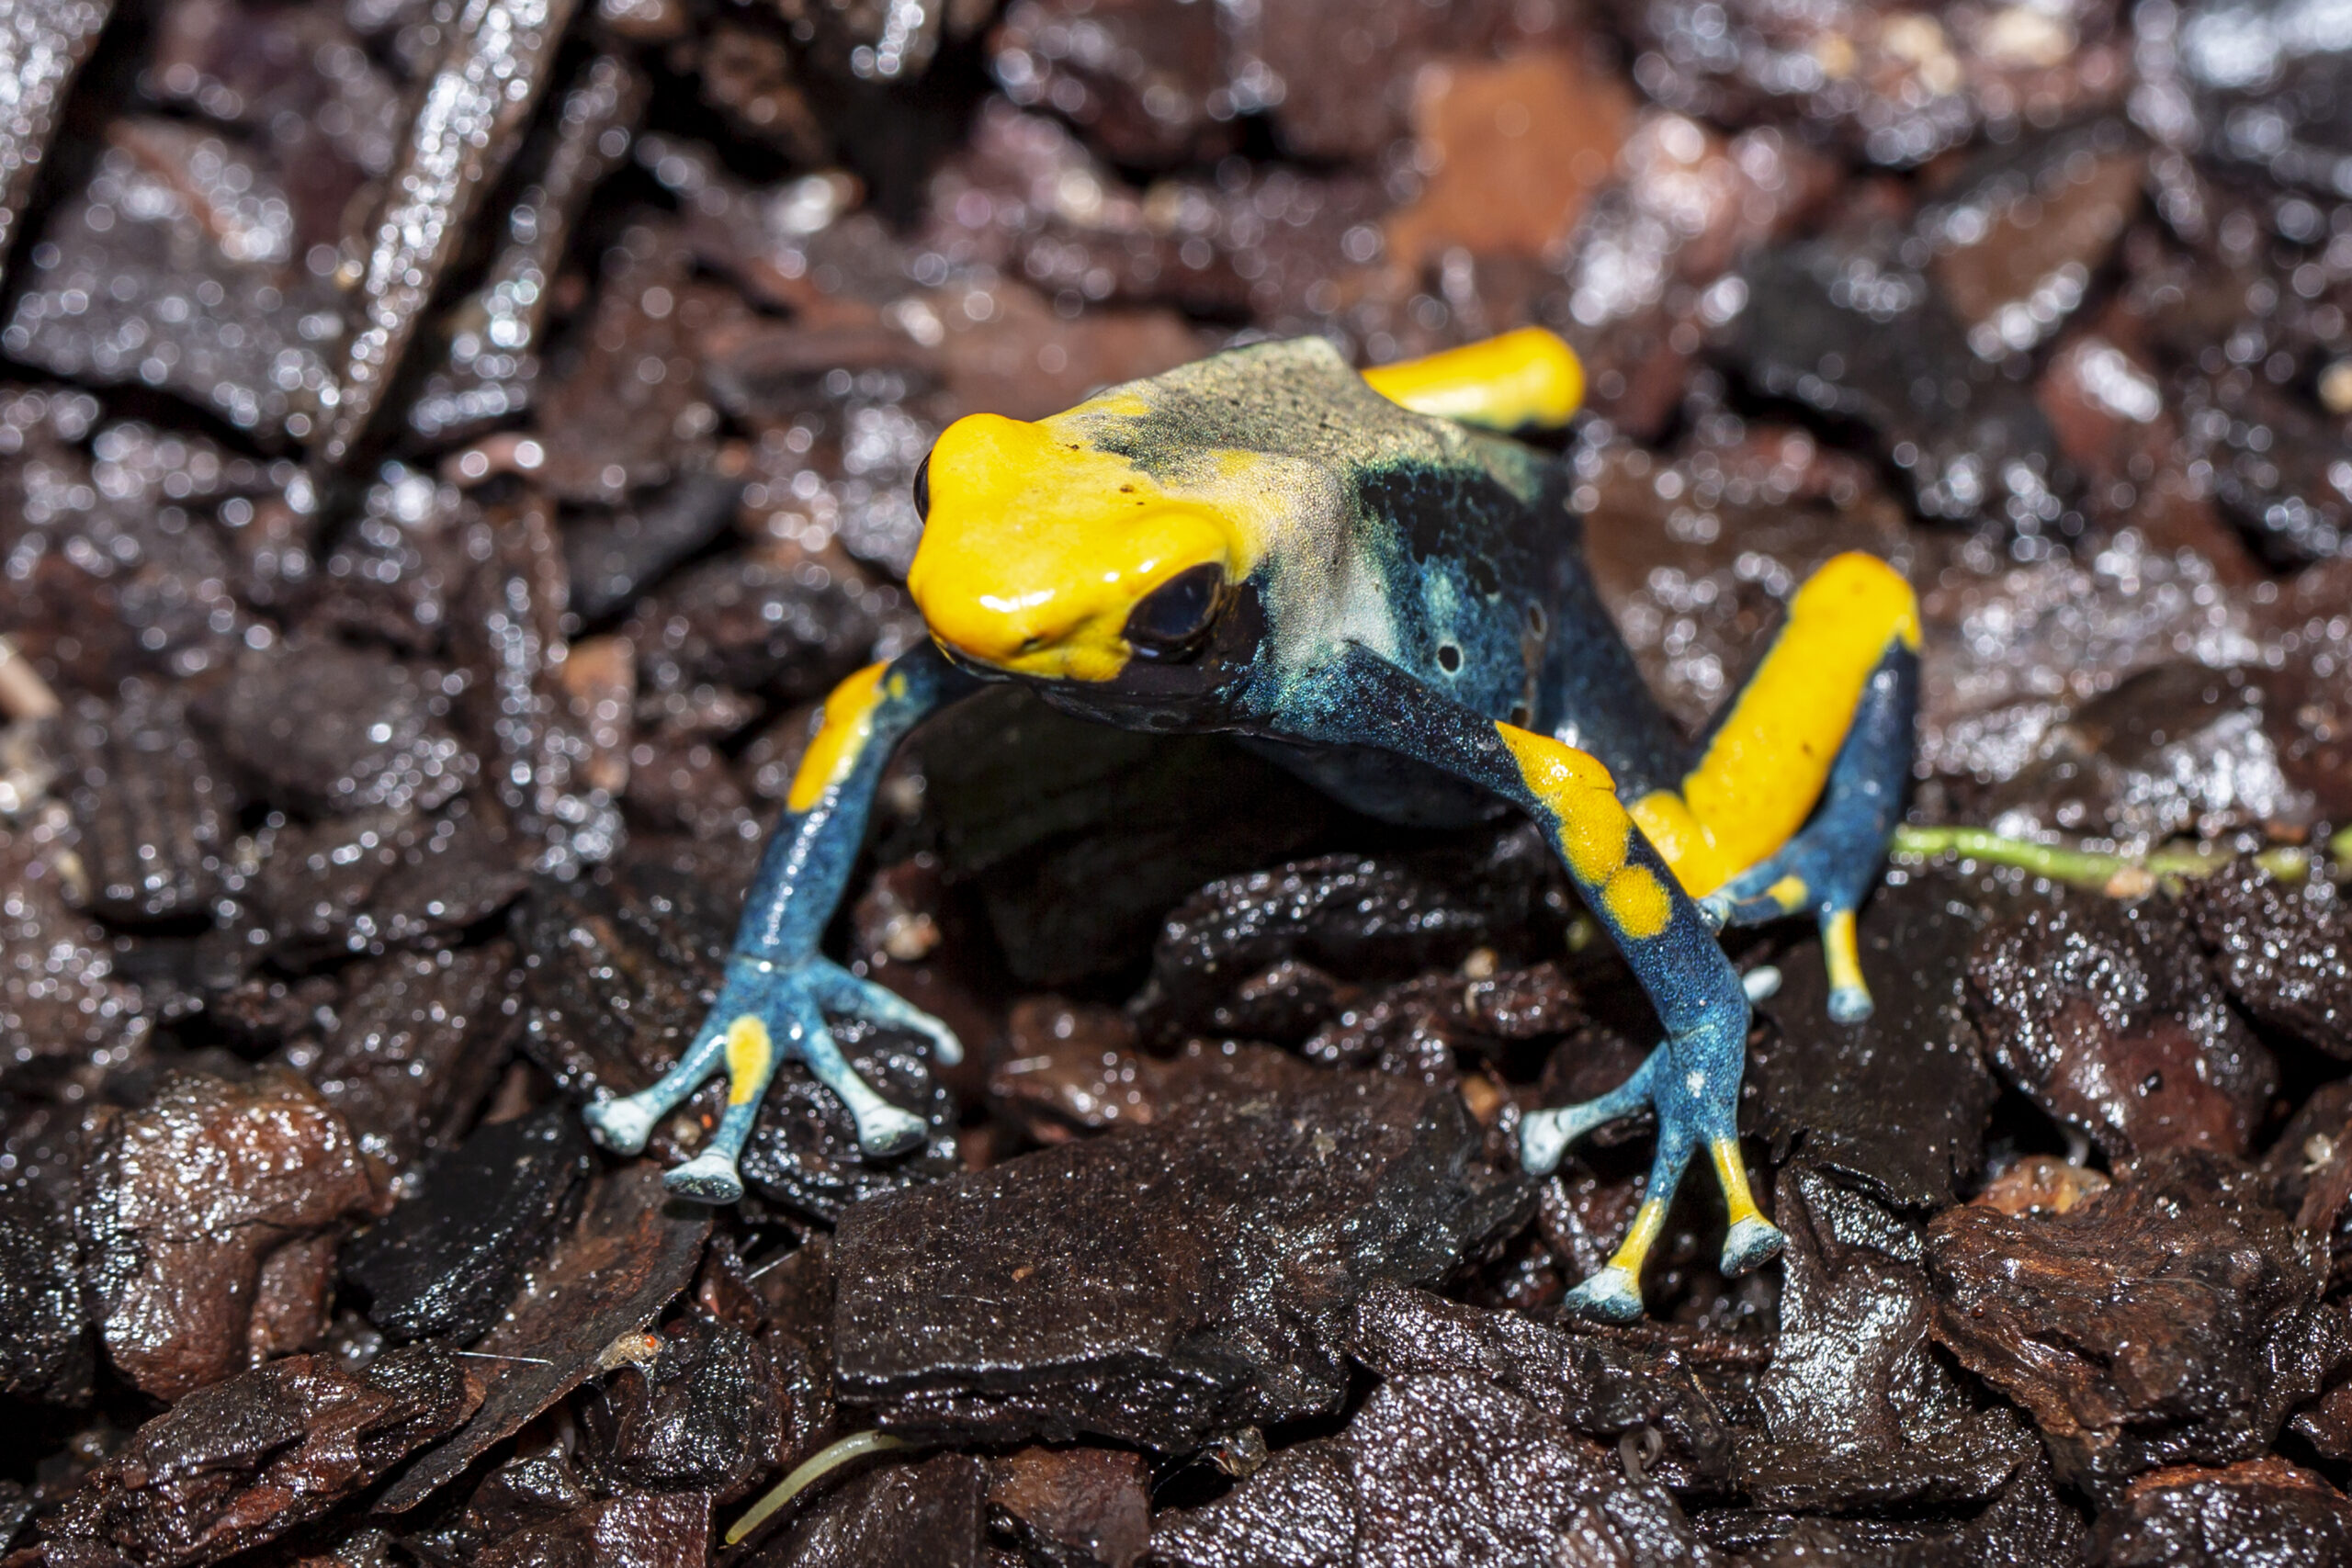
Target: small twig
[
  {"x": 824, "y": 1460},
  {"x": 23, "y": 692},
  {"x": 1639, "y": 1448},
  {"x": 2121, "y": 877}
]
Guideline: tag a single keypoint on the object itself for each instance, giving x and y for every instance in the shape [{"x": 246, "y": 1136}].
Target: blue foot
[
  {"x": 1850, "y": 1004},
  {"x": 708, "y": 1178},
  {"x": 883, "y": 1129},
  {"x": 621, "y": 1125},
  {"x": 1750, "y": 1245},
  {"x": 1610, "y": 1296}
]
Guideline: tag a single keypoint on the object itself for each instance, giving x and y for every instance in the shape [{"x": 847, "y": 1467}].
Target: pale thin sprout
[
  {"x": 831, "y": 1457},
  {"x": 2125, "y": 876}
]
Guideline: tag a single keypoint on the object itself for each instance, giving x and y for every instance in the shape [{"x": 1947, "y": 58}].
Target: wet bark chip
[
  {"x": 415, "y": 1046},
  {"x": 338, "y": 729},
  {"x": 2108, "y": 1018},
  {"x": 46, "y": 1353},
  {"x": 41, "y": 46},
  {"x": 243, "y": 1461},
  {"x": 2168, "y": 1319},
  {"x": 631, "y": 1250},
  {"x": 209, "y": 1220},
  {"x": 1161, "y": 1283},
  {"x": 154, "y": 817},
  {"x": 447, "y": 1261},
  {"x": 1446, "y": 1469},
  {"x": 928, "y": 1515},
  {"x": 707, "y": 1414},
  {"x": 1900, "y": 1100},
  {"x": 635, "y": 1529},
  {"x": 1858, "y": 1413},
  {"x": 1358, "y": 918},
  {"x": 2265, "y": 1511},
  {"x": 1600, "y": 1387},
  {"x": 2285, "y": 955},
  {"x": 1075, "y": 1507}
]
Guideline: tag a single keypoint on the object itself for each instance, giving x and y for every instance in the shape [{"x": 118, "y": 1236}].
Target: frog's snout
[{"x": 1038, "y": 548}]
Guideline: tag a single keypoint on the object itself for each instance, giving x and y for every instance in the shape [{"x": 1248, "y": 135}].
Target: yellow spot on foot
[
  {"x": 1841, "y": 952},
  {"x": 1732, "y": 1172},
  {"x": 747, "y": 1053},
  {"x": 839, "y": 740},
  {"x": 1790, "y": 893},
  {"x": 1648, "y": 1221}
]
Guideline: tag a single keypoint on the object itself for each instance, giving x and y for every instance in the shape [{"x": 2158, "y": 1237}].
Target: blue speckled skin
[{"x": 1467, "y": 603}]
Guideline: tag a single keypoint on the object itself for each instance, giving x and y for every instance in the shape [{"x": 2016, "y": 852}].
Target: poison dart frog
[{"x": 1366, "y": 577}]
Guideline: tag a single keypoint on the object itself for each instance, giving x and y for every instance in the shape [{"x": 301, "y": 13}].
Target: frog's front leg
[
  {"x": 778, "y": 987},
  {"x": 1692, "y": 1079}
]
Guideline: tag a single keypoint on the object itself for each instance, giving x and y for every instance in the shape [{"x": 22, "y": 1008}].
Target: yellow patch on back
[
  {"x": 1636, "y": 900},
  {"x": 832, "y": 753},
  {"x": 1580, "y": 795},
  {"x": 1768, "y": 760},
  {"x": 1520, "y": 378},
  {"x": 748, "y": 1054}
]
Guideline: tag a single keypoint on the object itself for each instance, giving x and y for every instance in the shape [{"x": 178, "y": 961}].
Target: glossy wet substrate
[{"x": 447, "y": 452}]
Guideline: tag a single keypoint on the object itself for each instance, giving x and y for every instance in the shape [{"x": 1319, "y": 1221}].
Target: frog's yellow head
[
  {"x": 1045, "y": 555},
  {"x": 1066, "y": 548}
]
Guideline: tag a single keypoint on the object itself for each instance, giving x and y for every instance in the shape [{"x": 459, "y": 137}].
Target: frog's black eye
[
  {"x": 1169, "y": 621},
  {"x": 922, "y": 487}
]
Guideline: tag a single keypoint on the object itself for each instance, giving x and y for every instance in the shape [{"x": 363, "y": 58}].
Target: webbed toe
[
  {"x": 1612, "y": 1295},
  {"x": 620, "y": 1125},
  {"x": 709, "y": 1177},
  {"x": 1749, "y": 1244}
]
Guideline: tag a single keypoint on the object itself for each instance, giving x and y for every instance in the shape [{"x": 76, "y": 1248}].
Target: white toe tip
[
  {"x": 620, "y": 1125},
  {"x": 1748, "y": 1245},
  {"x": 1614, "y": 1295},
  {"x": 706, "y": 1178},
  {"x": 887, "y": 1130},
  {"x": 1544, "y": 1137}
]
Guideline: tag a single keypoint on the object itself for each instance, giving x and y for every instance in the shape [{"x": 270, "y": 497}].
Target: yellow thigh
[{"x": 1766, "y": 766}]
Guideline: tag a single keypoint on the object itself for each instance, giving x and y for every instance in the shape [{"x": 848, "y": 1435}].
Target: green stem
[
  {"x": 2097, "y": 869},
  {"x": 831, "y": 1457}
]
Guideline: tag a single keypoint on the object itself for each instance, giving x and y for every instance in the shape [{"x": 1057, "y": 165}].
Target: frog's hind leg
[
  {"x": 1831, "y": 865},
  {"x": 1826, "y": 721},
  {"x": 1692, "y": 1079}
]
